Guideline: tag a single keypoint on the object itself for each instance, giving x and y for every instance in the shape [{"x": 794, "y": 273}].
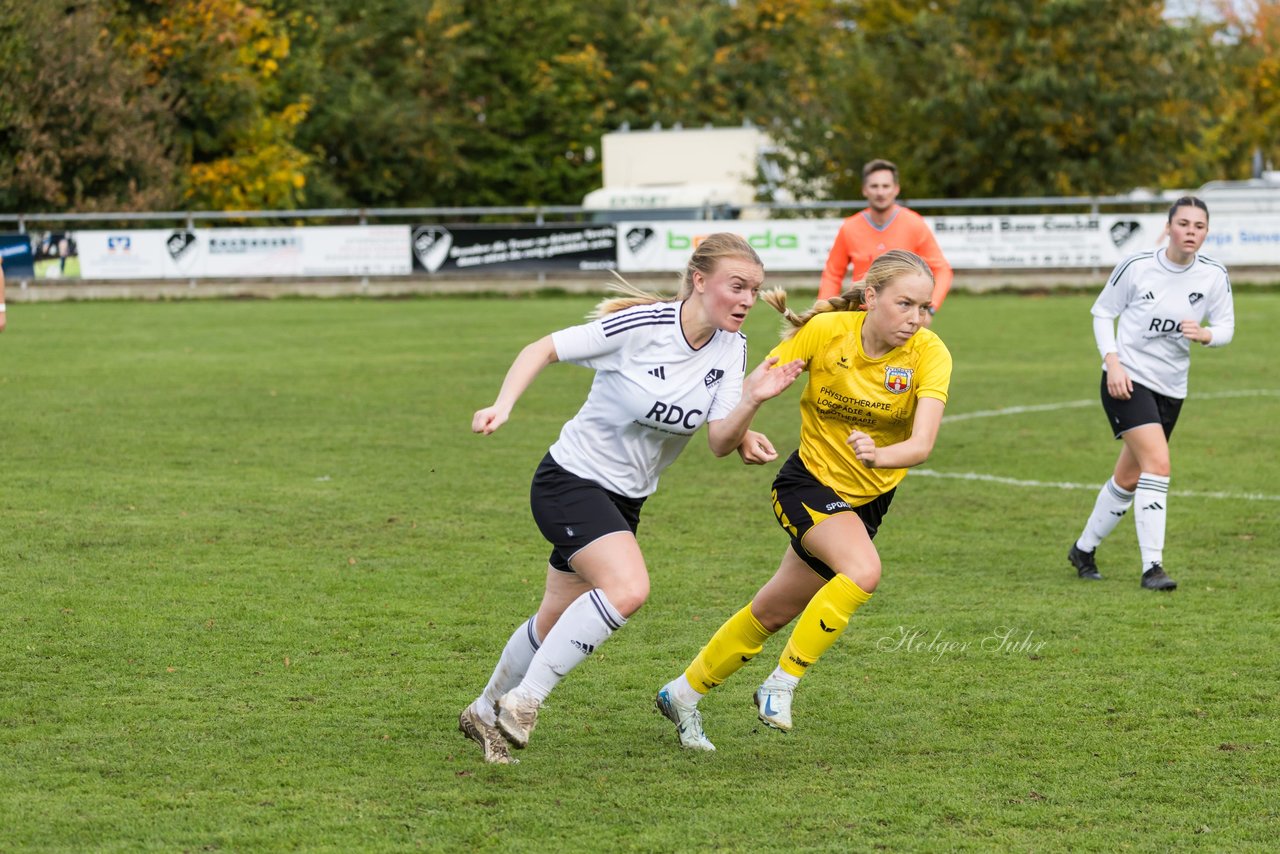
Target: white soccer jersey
[
  {"x": 651, "y": 393},
  {"x": 1152, "y": 296}
]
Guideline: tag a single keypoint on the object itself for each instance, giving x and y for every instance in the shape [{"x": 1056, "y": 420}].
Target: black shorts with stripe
[
  {"x": 573, "y": 512},
  {"x": 801, "y": 501},
  {"x": 1144, "y": 406}
]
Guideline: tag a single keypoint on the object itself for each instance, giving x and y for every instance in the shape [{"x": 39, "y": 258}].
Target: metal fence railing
[{"x": 540, "y": 214}]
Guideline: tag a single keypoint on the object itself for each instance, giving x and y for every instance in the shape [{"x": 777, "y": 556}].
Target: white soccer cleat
[
  {"x": 773, "y": 701},
  {"x": 487, "y": 736},
  {"x": 688, "y": 721},
  {"x": 517, "y": 716}
]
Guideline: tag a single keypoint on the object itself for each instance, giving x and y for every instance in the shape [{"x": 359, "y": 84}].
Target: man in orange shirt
[{"x": 882, "y": 226}]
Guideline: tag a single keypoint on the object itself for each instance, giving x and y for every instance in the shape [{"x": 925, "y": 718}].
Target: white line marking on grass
[
  {"x": 1048, "y": 484},
  {"x": 1079, "y": 404}
]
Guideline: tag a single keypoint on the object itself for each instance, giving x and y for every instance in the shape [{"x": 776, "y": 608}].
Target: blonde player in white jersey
[
  {"x": 664, "y": 367},
  {"x": 1164, "y": 300}
]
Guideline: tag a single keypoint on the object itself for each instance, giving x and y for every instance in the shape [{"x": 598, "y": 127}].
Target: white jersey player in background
[
  {"x": 664, "y": 367},
  {"x": 1163, "y": 300}
]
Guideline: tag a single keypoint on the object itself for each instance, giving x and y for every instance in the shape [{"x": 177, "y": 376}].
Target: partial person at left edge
[
  {"x": 3, "y": 313},
  {"x": 664, "y": 367}
]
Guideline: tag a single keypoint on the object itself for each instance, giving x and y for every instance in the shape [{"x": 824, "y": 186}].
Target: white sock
[
  {"x": 1151, "y": 501},
  {"x": 680, "y": 689},
  {"x": 584, "y": 625},
  {"x": 780, "y": 675},
  {"x": 1113, "y": 502},
  {"x": 511, "y": 668}
]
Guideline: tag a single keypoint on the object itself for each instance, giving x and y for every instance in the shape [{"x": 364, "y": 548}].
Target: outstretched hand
[
  {"x": 770, "y": 379},
  {"x": 756, "y": 449}
]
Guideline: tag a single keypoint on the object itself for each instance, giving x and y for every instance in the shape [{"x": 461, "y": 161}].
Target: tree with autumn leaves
[{"x": 243, "y": 104}]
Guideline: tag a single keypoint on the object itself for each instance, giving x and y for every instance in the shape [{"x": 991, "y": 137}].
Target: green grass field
[{"x": 254, "y": 564}]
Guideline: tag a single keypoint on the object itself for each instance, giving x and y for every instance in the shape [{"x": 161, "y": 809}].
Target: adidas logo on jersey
[
  {"x": 1148, "y": 295},
  {"x": 659, "y": 372}
]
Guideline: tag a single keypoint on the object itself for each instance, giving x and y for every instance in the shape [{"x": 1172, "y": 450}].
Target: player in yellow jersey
[{"x": 878, "y": 383}]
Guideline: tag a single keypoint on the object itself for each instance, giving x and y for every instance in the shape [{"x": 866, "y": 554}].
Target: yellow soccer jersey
[{"x": 848, "y": 390}]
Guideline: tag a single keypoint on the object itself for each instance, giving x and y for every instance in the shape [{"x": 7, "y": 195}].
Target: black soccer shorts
[
  {"x": 797, "y": 494},
  {"x": 1144, "y": 406},
  {"x": 573, "y": 512}
]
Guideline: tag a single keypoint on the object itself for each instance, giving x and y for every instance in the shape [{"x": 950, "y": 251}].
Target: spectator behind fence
[{"x": 881, "y": 226}]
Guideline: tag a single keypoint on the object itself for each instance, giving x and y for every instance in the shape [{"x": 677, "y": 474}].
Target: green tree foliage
[
  {"x": 79, "y": 129},
  {"x": 220, "y": 65},
  {"x": 289, "y": 103},
  {"x": 1004, "y": 98},
  {"x": 1243, "y": 112},
  {"x": 386, "y": 126}
]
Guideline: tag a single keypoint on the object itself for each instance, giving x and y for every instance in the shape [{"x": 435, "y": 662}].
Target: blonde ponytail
[
  {"x": 706, "y": 257},
  {"x": 882, "y": 272},
  {"x": 850, "y": 300}
]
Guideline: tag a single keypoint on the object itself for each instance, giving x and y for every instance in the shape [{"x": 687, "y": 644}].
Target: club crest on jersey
[
  {"x": 713, "y": 376},
  {"x": 897, "y": 380},
  {"x": 1195, "y": 297}
]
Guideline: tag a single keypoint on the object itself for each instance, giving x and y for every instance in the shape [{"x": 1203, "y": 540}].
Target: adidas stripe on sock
[
  {"x": 1151, "y": 503},
  {"x": 1109, "y": 508},
  {"x": 585, "y": 624},
  {"x": 512, "y": 665}
]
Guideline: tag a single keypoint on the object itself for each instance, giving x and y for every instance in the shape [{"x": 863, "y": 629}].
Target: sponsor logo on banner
[
  {"x": 559, "y": 246},
  {"x": 181, "y": 244},
  {"x": 116, "y": 254},
  {"x": 1064, "y": 241},
  {"x": 244, "y": 245},
  {"x": 782, "y": 244},
  {"x": 1121, "y": 230},
  {"x": 639, "y": 238},
  {"x": 431, "y": 245}
]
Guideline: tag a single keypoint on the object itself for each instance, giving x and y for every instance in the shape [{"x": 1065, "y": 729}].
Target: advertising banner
[
  {"x": 224, "y": 253},
  {"x": 782, "y": 244},
  {"x": 19, "y": 262},
  {"x": 1028, "y": 241},
  {"x": 1241, "y": 239},
  {"x": 1047, "y": 240},
  {"x": 56, "y": 255},
  {"x": 122, "y": 254},
  {"x": 371, "y": 250},
  {"x": 245, "y": 252},
  {"x": 461, "y": 248}
]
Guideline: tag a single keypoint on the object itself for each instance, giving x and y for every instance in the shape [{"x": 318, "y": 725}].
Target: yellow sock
[
  {"x": 823, "y": 621},
  {"x": 733, "y": 645}
]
